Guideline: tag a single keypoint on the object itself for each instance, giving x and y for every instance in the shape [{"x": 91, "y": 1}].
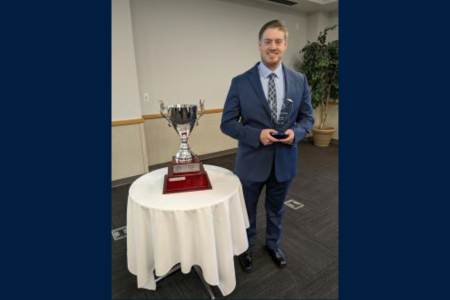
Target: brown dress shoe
[
  {"x": 278, "y": 257},
  {"x": 245, "y": 260}
]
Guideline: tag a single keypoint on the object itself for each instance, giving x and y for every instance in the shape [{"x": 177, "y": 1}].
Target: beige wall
[
  {"x": 128, "y": 151},
  {"x": 182, "y": 51},
  {"x": 129, "y": 154},
  {"x": 333, "y": 35},
  {"x": 187, "y": 50},
  {"x": 333, "y": 111},
  {"x": 124, "y": 81}
]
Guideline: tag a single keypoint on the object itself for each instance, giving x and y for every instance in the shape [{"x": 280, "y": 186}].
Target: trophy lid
[{"x": 181, "y": 106}]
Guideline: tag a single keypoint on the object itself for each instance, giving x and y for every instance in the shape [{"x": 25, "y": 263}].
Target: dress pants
[{"x": 275, "y": 197}]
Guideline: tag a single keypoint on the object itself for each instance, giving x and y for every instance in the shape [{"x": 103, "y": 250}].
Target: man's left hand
[{"x": 290, "y": 139}]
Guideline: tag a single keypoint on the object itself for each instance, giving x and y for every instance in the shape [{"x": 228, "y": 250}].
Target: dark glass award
[{"x": 285, "y": 113}]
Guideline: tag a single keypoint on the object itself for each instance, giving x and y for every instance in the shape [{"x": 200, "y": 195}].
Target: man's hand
[
  {"x": 290, "y": 139},
  {"x": 266, "y": 139}
]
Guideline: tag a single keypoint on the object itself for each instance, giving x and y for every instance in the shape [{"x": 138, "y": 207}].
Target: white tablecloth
[{"x": 204, "y": 228}]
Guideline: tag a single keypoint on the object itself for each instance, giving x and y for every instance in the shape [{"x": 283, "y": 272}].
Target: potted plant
[{"x": 320, "y": 64}]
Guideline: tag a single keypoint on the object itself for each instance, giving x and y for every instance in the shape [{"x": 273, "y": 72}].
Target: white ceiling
[{"x": 309, "y": 6}]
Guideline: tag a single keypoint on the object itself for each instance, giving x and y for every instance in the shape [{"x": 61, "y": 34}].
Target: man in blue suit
[{"x": 267, "y": 99}]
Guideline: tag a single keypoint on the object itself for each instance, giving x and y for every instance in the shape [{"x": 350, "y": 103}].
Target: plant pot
[{"x": 322, "y": 137}]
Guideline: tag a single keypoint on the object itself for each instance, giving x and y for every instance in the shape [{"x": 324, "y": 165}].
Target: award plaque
[
  {"x": 282, "y": 120},
  {"x": 185, "y": 171}
]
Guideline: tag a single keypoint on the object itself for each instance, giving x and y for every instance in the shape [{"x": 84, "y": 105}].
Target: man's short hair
[{"x": 273, "y": 24}]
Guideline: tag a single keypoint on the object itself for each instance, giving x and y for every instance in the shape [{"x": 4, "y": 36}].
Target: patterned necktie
[{"x": 272, "y": 95}]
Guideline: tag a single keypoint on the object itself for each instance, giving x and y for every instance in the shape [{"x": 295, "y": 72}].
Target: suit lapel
[
  {"x": 288, "y": 82},
  {"x": 253, "y": 76}
]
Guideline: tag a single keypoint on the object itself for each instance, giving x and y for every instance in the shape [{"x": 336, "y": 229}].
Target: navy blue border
[
  {"x": 56, "y": 150},
  {"x": 56, "y": 111},
  {"x": 393, "y": 69}
]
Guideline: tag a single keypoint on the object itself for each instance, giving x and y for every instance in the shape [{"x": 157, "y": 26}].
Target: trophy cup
[{"x": 185, "y": 171}]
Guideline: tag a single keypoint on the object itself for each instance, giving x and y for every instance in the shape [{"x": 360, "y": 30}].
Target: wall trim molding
[
  {"x": 156, "y": 116},
  {"x": 128, "y": 180},
  {"x": 127, "y": 122},
  {"x": 213, "y": 110},
  {"x": 152, "y": 116}
]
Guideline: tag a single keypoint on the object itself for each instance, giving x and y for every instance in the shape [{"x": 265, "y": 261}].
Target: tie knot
[{"x": 272, "y": 75}]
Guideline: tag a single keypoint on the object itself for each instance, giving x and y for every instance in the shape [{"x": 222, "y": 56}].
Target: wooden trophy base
[{"x": 186, "y": 177}]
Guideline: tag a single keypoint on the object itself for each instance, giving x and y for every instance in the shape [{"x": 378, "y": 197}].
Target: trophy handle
[
  {"x": 202, "y": 110},
  {"x": 162, "y": 107}
]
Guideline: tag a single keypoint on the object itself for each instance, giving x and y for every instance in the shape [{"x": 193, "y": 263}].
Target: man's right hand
[{"x": 265, "y": 138}]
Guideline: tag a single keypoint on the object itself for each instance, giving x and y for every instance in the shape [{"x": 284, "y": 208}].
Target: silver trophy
[{"x": 183, "y": 118}]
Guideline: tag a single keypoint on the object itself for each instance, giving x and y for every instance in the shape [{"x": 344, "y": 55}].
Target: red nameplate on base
[{"x": 186, "y": 177}]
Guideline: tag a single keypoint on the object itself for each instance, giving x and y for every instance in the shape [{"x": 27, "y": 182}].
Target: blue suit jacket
[{"x": 246, "y": 113}]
